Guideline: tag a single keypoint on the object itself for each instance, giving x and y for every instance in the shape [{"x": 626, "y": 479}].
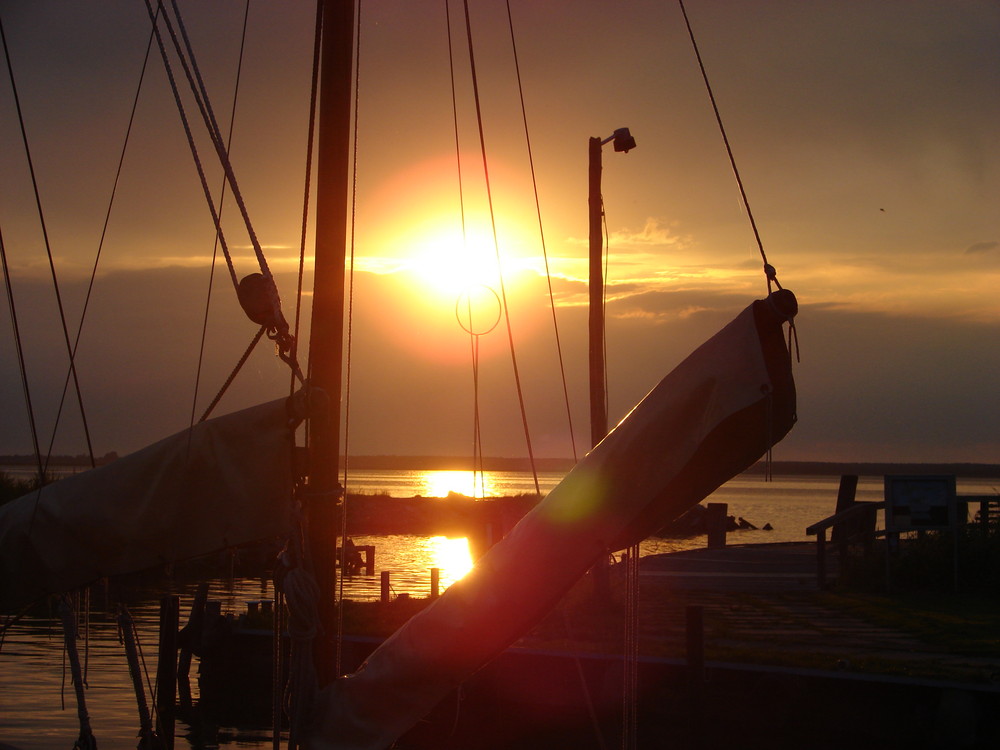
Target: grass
[
  {"x": 959, "y": 624},
  {"x": 12, "y": 488}
]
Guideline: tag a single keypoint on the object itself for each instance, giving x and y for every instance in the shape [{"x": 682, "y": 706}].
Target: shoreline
[{"x": 506, "y": 463}]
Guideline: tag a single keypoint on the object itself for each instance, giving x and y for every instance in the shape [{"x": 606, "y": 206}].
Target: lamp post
[{"x": 623, "y": 141}]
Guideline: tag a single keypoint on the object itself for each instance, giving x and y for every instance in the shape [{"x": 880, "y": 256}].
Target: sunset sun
[{"x": 448, "y": 265}]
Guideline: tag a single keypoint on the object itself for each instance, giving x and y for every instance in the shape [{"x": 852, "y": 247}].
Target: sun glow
[
  {"x": 449, "y": 265},
  {"x": 451, "y": 556},
  {"x": 471, "y": 484}
]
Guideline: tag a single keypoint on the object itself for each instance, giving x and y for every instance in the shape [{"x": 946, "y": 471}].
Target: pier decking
[{"x": 761, "y": 605}]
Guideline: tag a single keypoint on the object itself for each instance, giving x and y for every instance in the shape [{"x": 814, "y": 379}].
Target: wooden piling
[
  {"x": 385, "y": 585},
  {"x": 435, "y": 582},
  {"x": 195, "y": 621},
  {"x": 716, "y": 523},
  {"x": 821, "y": 558},
  {"x": 166, "y": 668}
]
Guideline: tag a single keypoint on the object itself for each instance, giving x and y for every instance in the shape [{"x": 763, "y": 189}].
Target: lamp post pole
[{"x": 598, "y": 387}]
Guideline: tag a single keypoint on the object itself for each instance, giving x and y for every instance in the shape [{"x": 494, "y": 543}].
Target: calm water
[{"x": 31, "y": 671}]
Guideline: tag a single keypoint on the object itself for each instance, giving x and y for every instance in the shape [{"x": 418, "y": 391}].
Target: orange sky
[{"x": 864, "y": 132}]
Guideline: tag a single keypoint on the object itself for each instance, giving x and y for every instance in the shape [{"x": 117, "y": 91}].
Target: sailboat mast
[{"x": 327, "y": 329}]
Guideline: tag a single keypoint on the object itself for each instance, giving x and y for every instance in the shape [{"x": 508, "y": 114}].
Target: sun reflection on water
[
  {"x": 472, "y": 484},
  {"x": 451, "y": 555}
]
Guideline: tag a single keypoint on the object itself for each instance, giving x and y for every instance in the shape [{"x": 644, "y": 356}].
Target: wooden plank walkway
[
  {"x": 761, "y": 567},
  {"x": 761, "y": 605}
]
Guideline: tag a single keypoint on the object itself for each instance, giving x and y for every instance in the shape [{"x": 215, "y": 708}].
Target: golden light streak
[{"x": 451, "y": 556}]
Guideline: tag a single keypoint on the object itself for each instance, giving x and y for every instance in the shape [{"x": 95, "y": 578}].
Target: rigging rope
[
  {"x": 222, "y": 205},
  {"x": 127, "y": 637},
  {"x": 100, "y": 245},
  {"x": 541, "y": 234},
  {"x": 350, "y": 340},
  {"x": 19, "y": 346},
  {"x": 769, "y": 271},
  {"x": 232, "y": 375},
  {"x": 190, "y": 138},
  {"x": 86, "y": 739},
  {"x": 307, "y": 187},
  {"x": 496, "y": 244},
  {"x": 205, "y": 106},
  {"x": 48, "y": 247},
  {"x": 478, "y": 474},
  {"x": 275, "y": 320},
  {"x": 630, "y": 688},
  {"x": 277, "y": 327}
]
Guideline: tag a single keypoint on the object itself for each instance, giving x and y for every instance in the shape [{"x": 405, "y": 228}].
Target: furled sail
[
  {"x": 224, "y": 482},
  {"x": 712, "y": 417}
]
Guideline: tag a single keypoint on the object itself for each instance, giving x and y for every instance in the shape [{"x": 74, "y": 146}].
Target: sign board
[{"x": 914, "y": 503}]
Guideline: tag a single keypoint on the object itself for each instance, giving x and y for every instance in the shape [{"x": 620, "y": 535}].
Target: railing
[
  {"x": 857, "y": 522},
  {"x": 988, "y": 515}
]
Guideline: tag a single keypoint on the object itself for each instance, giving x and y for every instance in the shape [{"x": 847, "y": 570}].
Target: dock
[{"x": 761, "y": 605}]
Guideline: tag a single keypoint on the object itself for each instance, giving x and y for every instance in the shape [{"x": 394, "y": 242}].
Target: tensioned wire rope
[
  {"x": 350, "y": 330},
  {"x": 630, "y": 690},
  {"x": 43, "y": 465},
  {"x": 581, "y": 677},
  {"x": 222, "y": 199},
  {"x": 197, "y": 83},
  {"x": 478, "y": 468},
  {"x": 496, "y": 245},
  {"x": 48, "y": 249},
  {"x": 276, "y": 328},
  {"x": 769, "y": 271},
  {"x": 631, "y": 646},
  {"x": 478, "y": 461},
  {"x": 281, "y": 616},
  {"x": 541, "y": 234},
  {"x": 182, "y": 112},
  {"x": 19, "y": 347},
  {"x": 97, "y": 258}
]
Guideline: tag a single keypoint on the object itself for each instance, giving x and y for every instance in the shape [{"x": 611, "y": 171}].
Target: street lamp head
[{"x": 623, "y": 140}]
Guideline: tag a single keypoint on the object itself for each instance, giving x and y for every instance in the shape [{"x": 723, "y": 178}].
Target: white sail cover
[
  {"x": 716, "y": 414},
  {"x": 224, "y": 482}
]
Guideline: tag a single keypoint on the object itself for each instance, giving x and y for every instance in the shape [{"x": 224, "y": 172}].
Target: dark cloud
[
  {"x": 981, "y": 247},
  {"x": 834, "y": 110},
  {"x": 870, "y": 386},
  {"x": 137, "y": 360}
]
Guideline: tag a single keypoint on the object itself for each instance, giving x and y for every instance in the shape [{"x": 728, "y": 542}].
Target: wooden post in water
[
  {"x": 385, "y": 585},
  {"x": 166, "y": 668},
  {"x": 435, "y": 582},
  {"x": 716, "y": 522},
  {"x": 193, "y": 632},
  {"x": 196, "y": 620}
]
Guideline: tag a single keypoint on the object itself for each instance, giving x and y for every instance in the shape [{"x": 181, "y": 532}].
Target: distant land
[
  {"x": 464, "y": 463},
  {"x": 823, "y": 468}
]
